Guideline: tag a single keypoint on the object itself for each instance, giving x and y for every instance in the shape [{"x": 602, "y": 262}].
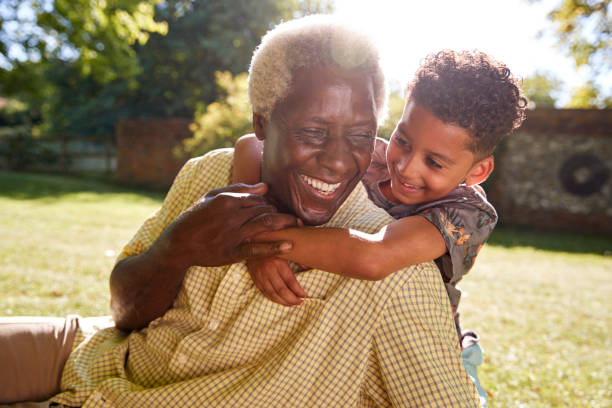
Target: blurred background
[{"x": 102, "y": 101}]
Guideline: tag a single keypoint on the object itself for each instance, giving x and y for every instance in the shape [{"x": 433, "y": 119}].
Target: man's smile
[{"x": 319, "y": 187}]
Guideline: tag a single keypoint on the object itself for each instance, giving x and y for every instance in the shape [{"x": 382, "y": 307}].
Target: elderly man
[{"x": 203, "y": 335}]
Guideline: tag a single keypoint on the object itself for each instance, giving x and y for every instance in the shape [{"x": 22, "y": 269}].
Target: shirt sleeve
[
  {"x": 416, "y": 348},
  {"x": 465, "y": 222},
  {"x": 377, "y": 171}
]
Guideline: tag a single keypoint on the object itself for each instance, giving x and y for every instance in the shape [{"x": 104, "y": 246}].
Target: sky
[{"x": 407, "y": 30}]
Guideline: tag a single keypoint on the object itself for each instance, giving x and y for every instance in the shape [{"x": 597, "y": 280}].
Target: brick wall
[
  {"x": 144, "y": 150},
  {"x": 556, "y": 171}
]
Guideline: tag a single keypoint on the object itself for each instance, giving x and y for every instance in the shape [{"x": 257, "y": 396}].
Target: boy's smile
[{"x": 427, "y": 158}]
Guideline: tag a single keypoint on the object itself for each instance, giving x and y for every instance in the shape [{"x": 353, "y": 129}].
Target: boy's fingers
[
  {"x": 283, "y": 291},
  {"x": 270, "y": 292},
  {"x": 291, "y": 281}
]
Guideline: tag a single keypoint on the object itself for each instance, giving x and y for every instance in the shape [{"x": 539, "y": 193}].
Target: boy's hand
[{"x": 276, "y": 281}]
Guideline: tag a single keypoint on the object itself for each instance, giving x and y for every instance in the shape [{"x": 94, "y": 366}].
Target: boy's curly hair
[{"x": 471, "y": 90}]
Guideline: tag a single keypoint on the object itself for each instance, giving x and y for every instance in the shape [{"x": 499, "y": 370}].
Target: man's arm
[
  {"x": 210, "y": 233},
  {"x": 417, "y": 349}
]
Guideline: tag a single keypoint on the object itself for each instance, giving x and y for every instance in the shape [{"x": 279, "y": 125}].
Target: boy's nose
[{"x": 407, "y": 165}]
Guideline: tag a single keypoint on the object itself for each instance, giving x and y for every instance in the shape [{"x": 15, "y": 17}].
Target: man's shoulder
[
  {"x": 214, "y": 166},
  {"x": 221, "y": 158}
]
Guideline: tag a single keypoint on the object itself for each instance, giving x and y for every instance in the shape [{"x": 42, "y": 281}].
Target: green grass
[
  {"x": 59, "y": 239},
  {"x": 540, "y": 300}
]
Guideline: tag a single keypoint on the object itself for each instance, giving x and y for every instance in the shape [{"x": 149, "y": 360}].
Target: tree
[
  {"x": 396, "y": 108},
  {"x": 96, "y": 35},
  {"x": 584, "y": 30},
  {"x": 541, "y": 88},
  {"x": 223, "y": 121},
  {"x": 203, "y": 37},
  {"x": 83, "y": 64},
  {"x": 587, "y": 96}
]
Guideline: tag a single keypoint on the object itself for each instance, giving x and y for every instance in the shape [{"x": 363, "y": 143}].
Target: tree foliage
[
  {"x": 96, "y": 35},
  {"x": 396, "y": 108},
  {"x": 204, "y": 36},
  {"x": 588, "y": 96},
  {"x": 82, "y": 64},
  {"x": 583, "y": 29},
  {"x": 223, "y": 121},
  {"x": 541, "y": 88}
]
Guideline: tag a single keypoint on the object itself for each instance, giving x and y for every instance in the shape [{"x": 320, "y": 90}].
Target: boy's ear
[
  {"x": 480, "y": 171},
  {"x": 259, "y": 125}
]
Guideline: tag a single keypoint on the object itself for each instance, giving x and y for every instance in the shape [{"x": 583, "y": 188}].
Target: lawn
[{"x": 541, "y": 301}]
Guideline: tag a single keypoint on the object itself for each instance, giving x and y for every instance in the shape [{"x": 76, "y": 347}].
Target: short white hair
[{"x": 311, "y": 42}]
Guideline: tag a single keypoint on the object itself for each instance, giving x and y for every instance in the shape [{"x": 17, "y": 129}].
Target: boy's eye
[
  {"x": 433, "y": 163},
  {"x": 400, "y": 141}
]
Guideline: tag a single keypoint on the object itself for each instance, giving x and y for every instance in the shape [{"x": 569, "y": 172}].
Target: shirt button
[
  {"x": 236, "y": 277},
  {"x": 182, "y": 359},
  {"x": 96, "y": 396},
  {"x": 213, "y": 325}
]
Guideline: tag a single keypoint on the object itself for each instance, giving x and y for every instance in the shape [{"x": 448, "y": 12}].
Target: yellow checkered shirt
[{"x": 352, "y": 343}]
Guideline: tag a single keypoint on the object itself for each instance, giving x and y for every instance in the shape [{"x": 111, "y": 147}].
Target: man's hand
[
  {"x": 216, "y": 230},
  {"x": 276, "y": 281}
]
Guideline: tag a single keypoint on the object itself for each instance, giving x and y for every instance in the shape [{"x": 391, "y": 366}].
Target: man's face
[{"x": 318, "y": 143}]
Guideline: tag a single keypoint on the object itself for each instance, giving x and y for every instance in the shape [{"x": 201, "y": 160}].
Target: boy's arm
[
  {"x": 359, "y": 255},
  {"x": 248, "y": 151}
]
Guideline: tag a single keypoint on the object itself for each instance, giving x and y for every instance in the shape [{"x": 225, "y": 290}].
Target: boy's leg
[
  {"x": 472, "y": 356},
  {"x": 33, "y": 351}
]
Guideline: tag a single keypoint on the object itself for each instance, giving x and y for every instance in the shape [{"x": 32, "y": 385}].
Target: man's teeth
[{"x": 321, "y": 185}]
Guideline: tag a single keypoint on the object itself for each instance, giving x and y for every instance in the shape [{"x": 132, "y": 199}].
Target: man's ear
[
  {"x": 480, "y": 171},
  {"x": 259, "y": 124}
]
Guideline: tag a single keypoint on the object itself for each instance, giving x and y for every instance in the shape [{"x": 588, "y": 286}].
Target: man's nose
[{"x": 337, "y": 157}]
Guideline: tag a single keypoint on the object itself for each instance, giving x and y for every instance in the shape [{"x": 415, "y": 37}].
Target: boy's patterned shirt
[{"x": 223, "y": 344}]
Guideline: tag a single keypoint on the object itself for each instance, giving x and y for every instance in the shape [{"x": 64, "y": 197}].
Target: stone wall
[
  {"x": 144, "y": 150},
  {"x": 555, "y": 171}
]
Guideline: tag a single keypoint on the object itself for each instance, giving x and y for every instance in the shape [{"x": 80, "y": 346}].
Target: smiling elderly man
[{"x": 203, "y": 335}]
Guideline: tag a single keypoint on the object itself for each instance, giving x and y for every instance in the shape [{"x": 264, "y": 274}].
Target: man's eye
[
  {"x": 433, "y": 163},
  {"x": 313, "y": 131},
  {"x": 361, "y": 137},
  {"x": 312, "y": 135}
]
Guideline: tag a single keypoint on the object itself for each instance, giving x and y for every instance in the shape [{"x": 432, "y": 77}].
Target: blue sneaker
[{"x": 472, "y": 355}]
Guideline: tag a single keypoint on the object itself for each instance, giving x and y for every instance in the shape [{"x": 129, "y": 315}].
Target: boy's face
[{"x": 427, "y": 158}]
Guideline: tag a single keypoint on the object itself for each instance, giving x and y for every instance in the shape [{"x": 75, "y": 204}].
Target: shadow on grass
[
  {"x": 551, "y": 240},
  {"x": 29, "y": 186}
]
